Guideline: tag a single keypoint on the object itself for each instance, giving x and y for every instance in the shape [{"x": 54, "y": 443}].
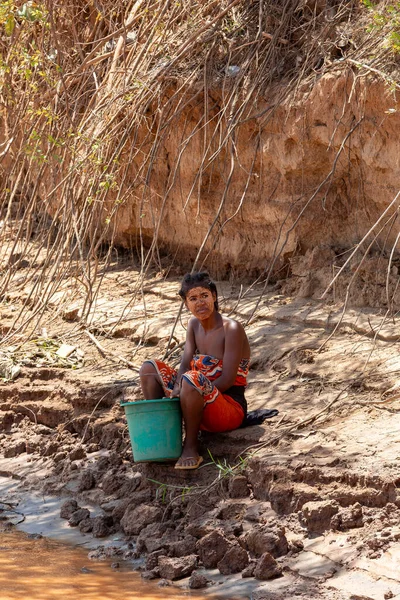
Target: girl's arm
[
  {"x": 235, "y": 338},
  {"x": 188, "y": 352}
]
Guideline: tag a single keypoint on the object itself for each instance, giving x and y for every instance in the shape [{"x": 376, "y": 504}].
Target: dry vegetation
[{"x": 89, "y": 91}]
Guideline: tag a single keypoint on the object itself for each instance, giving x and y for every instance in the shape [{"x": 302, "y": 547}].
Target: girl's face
[{"x": 200, "y": 302}]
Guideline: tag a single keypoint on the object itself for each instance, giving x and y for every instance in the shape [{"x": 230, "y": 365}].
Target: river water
[{"x": 42, "y": 569}]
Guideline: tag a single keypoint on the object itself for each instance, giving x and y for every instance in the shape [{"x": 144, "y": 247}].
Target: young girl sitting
[{"x": 212, "y": 376}]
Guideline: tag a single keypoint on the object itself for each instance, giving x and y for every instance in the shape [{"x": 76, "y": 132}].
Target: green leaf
[{"x": 9, "y": 25}]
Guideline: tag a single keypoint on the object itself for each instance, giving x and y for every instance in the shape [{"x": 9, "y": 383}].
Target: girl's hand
[{"x": 176, "y": 391}]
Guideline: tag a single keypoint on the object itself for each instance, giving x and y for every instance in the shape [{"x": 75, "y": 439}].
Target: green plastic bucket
[{"x": 155, "y": 429}]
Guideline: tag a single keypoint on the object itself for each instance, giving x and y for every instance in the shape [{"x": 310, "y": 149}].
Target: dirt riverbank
[{"x": 306, "y": 504}]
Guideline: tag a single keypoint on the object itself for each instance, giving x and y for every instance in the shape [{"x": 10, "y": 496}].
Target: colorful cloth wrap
[{"x": 222, "y": 411}]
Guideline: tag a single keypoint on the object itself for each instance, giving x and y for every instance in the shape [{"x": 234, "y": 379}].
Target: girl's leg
[
  {"x": 192, "y": 405},
  {"x": 204, "y": 407},
  {"x": 157, "y": 379},
  {"x": 150, "y": 382}
]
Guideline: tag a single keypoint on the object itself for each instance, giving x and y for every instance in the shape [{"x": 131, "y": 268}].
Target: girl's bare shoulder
[
  {"x": 232, "y": 324},
  {"x": 193, "y": 323}
]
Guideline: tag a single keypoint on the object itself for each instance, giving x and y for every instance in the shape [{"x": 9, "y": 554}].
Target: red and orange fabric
[{"x": 222, "y": 412}]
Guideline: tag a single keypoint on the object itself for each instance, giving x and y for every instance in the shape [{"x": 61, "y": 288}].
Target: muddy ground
[{"x": 304, "y": 505}]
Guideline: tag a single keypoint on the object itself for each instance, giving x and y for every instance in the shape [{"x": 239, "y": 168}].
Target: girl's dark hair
[{"x": 200, "y": 279}]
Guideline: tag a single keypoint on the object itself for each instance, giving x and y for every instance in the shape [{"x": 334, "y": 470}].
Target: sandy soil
[{"x": 315, "y": 487}]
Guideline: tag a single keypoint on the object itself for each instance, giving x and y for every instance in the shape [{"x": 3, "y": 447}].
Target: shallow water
[{"x": 42, "y": 569}]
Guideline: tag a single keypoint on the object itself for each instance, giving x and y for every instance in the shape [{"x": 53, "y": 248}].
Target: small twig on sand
[
  {"x": 280, "y": 421},
  {"x": 90, "y": 416},
  {"x": 96, "y": 343},
  {"x": 110, "y": 355},
  {"x": 29, "y": 410}
]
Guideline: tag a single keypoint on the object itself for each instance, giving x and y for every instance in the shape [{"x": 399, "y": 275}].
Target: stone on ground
[
  {"x": 264, "y": 538},
  {"x": 234, "y": 561},
  {"x": 177, "y": 568},
  {"x": 267, "y": 567},
  {"x": 212, "y": 548}
]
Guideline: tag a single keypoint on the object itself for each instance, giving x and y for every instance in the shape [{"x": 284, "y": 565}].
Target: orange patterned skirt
[{"x": 221, "y": 411}]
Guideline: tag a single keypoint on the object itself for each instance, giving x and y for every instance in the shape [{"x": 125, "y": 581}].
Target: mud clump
[
  {"x": 68, "y": 508},
  {"x": 212, "y": 548},
  {"x": 15, "y": 449},
  {"x": 318, "y": 515},
  {"x": 327, "y": 514},
  {"x": 156, "y": 536},
  {"x": 152, "y": 559},
  {"x": 137, "y": 518},
  {"x": 265, "y": 538},
  {"x": 86, "y": 526},
  {"x": 102, "y": 526},
  {"x": 208, "y": 524},
  {"x": 140, "y": 497},
  {"x": 77, "y": 453},
  {"x": 234, "y": 561},
  {"x": 87, "y": 481},
  {"x": 78, "y": 516},
  {"x": 249, "y": 570},
  {"x": 154, "y": 574},
  {"x": 7, "y": 421},
  {"x": 239, "y": 487},
  {"x": 176, "y": 568},
  {"x": 198, "y": 581},
  {"x": 267, "y": 568},
  {"x": 183, "y": 547},
  {"x": 348, "y": 518}
]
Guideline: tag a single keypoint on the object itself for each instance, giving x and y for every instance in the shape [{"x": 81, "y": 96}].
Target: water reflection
[{"x": 41, "y": 569}]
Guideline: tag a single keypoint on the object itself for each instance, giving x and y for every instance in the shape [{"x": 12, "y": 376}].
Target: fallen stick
[{"x": 110, "y": 355}]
